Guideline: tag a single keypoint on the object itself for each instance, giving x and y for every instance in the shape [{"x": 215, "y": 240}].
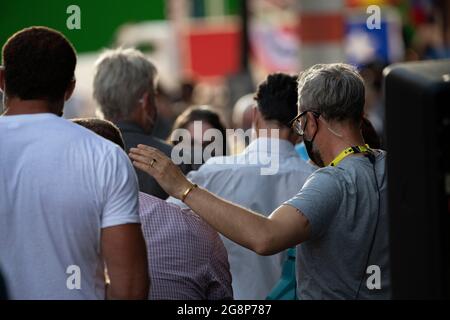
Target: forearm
[
  {"x": 284, "y": 228},
  {"x": 240, "y": 225},
  {"x": 136, "y": 289},
  {"x": 125, "y": 256}
]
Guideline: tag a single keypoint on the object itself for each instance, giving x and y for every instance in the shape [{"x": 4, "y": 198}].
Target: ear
[
  {"x": 2, "y": 79},
  {"x": 143, "y": 102},
  {"x": 294, "y": 138},
  {"x": 312, "y": 125},
  {"x": 70, "y": 90}
]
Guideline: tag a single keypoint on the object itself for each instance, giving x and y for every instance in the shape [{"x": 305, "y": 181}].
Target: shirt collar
[
  {"x": 266, "y": 145},
  {"x": 28, "y": 117},
  {"x": 129, "y": 126}
]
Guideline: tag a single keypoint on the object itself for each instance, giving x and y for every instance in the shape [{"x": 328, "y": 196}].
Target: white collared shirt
[{"x": 264, "y": 176}]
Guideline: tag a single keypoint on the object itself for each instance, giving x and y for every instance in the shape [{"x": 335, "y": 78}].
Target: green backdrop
[{"x": 99, "y": 18}]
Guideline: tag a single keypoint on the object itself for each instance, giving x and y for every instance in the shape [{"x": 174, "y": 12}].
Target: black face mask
[{"x": 314, "y": 155}]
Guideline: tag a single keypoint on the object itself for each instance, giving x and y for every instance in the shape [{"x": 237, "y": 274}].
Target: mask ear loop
[
  {"x": 335, "y": 133},
  {"x": 331, "y": 130},
  {"x": 304, "y": 130},
  {"x": 372, "y": 159}
]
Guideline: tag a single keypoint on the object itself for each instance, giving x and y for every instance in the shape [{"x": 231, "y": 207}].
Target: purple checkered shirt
[{"x": 187, "y": 259}]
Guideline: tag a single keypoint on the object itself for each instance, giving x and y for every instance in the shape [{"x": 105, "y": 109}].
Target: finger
[
  {"x": 141, "y": 159},
  {"x": 142, "y": 153},
  {"x": 145, "y": 167},
  {"x": 148, "y": 148},
  {"x": 155, "y": 153},
  {"x": 149, "y": 155}
]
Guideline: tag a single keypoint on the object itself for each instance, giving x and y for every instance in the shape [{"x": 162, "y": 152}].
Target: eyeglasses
[{"x": 296, "y": 124}]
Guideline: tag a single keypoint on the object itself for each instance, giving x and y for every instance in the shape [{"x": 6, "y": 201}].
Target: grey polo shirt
[{"x": 341, "y": 204}]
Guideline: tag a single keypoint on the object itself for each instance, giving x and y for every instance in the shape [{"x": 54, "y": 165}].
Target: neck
[
  {"x": 274, "y": 132},
  {"x": 139, "y": 118},
  {"x": 335, "y": 145},
  {"x": 17, "y": 107}
]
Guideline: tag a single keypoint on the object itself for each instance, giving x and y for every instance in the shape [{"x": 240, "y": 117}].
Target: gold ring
[{"x": 152, "y": 163}]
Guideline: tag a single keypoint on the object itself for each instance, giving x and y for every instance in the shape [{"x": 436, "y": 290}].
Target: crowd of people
[{"x": 102, "y": 209}]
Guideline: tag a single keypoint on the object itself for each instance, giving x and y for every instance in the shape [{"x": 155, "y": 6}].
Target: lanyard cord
[
  {"x": 373, "y": 160},
  {"x": 351, "y": 150},
  {"x": 345, "y": 153}
]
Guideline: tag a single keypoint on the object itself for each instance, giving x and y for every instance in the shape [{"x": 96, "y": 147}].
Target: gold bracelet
[{"x": 188, "y": 190}]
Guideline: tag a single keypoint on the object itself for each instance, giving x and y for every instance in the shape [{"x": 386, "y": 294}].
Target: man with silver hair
[
  {"x": 125, "y": 88},
  {"x": 339, "y": 218}
]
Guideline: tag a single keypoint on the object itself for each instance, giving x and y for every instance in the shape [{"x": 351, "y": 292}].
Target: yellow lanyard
[{"x": 349, "y": 151}]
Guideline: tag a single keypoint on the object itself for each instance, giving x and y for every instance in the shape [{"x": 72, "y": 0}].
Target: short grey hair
[
  {"x": 122, "y": 77},
  {"x": 336, "y": 91}
]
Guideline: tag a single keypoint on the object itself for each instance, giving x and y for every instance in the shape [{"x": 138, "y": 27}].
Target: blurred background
[
  {"x": 216, "y": 52},
  {"x": 213, "y": 52}
]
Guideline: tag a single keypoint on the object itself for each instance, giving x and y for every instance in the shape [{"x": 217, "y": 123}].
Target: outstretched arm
[{"x": 285, "y": 227}]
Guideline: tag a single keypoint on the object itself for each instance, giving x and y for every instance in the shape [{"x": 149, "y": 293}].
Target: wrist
[{"x": 187, "y": 190}]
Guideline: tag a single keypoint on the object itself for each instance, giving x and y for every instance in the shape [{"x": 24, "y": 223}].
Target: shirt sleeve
[
  {"x": 121, "y": 191},
  {"x": 318, "y": 200}
]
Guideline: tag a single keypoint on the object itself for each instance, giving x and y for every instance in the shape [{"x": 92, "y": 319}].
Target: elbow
[
  {"x": 264, "y": 246},
  {"x": 264, "y": 251}
]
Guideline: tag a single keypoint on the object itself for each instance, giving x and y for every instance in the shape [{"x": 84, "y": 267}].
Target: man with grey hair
[
  {"x": 125, "y": 88},
  {"x": 338, "y": 220}
]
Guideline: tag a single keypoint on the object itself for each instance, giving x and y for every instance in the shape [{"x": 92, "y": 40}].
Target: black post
[{"x": 245, "y": 43}]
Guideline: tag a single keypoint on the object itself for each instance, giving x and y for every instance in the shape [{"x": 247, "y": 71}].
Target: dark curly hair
[
  {"x": 103, "y": 128},
  {"x": 39, "y": 63},
  {"x": 277, "y": 98}
]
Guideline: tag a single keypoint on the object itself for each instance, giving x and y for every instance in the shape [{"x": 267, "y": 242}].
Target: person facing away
[
  {"x": 338, "y": 220},
  {"x": 242, "y": 180},
  {"x": 69, "y": 199},
  {"x": 125, "y": 88},
  {"x": 186, "y": 257}
]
